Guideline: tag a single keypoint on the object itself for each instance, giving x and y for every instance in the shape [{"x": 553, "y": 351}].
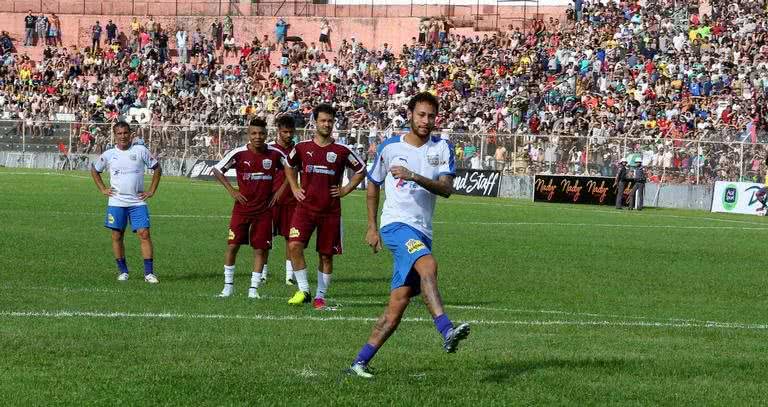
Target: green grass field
[{"x": 569, "y": 305}]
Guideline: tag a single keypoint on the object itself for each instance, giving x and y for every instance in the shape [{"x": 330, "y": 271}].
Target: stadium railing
[{"x": 712, "y": 156}]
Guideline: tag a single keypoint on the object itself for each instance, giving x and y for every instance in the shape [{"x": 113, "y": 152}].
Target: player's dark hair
[
  {"x": 257, "y": 122},
  {"x": 323, "y": 108},
  {"x": 286, "y": 122},
  {"x": 424, "y": 97},
  {"x": 122, "y": 124}
]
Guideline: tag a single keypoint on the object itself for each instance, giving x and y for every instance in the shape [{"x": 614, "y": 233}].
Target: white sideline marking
[
  {"x": 764, "y": 226},
  {"x": 61, "y": 174},
  {"x": 265, "y": 317},
  {"x": 382, "y": 302}
]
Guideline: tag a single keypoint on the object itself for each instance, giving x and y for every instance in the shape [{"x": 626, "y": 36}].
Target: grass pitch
[{"x": 569, "y": 305}]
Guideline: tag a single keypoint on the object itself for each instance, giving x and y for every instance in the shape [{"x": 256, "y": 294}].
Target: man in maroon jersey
[
  {"x": 256, "y": 165},
  {"x": 322, "y": 163},
  {"x": 285, "y": 202}
]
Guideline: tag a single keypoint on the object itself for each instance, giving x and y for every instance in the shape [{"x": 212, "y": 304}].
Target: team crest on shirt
[
  {"x": 433, "y": 160},
  {"x": 414, "y": 245},
  {"x": 294, "y": 233},
  {"x": 267, "y": 163},
  {"x": 110, "y": 218},
  {"x": 331, "y": 157},
  {"x": 133, "y": 157}
]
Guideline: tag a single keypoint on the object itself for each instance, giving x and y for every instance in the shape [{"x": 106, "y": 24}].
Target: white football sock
[
  {"x": 301, "y": 279},
  {"x": 288, "y": 270},
  {"x": 229, "y": 279},
  {"x": 255, "y": 279},
  {"x": 264, "y": 271},
  {"x": 323, "y": 281},
  {"x": 229, "y": 274}
]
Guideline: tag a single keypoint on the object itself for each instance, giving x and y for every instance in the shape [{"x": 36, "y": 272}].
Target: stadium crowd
[{"x": 683, "y": 93}]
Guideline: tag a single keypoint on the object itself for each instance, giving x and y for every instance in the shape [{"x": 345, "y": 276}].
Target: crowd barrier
[{"x": 704, "y": 160}]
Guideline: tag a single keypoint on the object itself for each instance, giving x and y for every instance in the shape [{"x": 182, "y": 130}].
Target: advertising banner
[
  {"x": 477, "y": 182},
  {"x": 577, "y": 189},
  {"x": 736, "y": 197},
  {"x": 202, "y": 170}
]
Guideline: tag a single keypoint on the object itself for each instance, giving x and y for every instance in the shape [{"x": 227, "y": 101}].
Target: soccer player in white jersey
[
  {"x": 414, "y": 169},
  {"x": 127, "y": 196}
]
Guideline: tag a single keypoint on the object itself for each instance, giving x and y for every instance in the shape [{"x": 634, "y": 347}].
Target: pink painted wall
[
  {"x": 289, "y": 8},
  {"x": 370, "y": 31}
]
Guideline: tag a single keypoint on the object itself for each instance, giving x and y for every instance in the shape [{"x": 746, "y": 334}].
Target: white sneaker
[
  {"x": 151, "y": 278},
  {"x": 252, "y": 293},
  {"x": 227, "y": 291},
  {"x": 122, "y": 277}
]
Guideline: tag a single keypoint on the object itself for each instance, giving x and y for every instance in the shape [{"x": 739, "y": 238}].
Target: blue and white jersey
[
  {"x": 406, "y": 201},
  {"x": 126, "y": 173}
]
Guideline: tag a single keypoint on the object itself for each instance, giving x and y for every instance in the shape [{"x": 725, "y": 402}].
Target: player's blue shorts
[
  {"x": 117, "y": 217},
  {"x": 407, "y": 245}
]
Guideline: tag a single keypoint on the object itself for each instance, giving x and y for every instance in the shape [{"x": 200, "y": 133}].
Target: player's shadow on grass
[
  {"x": 193, "y": 276},
  {"x": 381, "y": 280},
  {"x": 504, "y": 372}
]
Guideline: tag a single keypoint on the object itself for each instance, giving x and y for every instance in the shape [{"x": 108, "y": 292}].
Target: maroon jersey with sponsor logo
[
  {"x": 287, "y": 199},
  {"x": 321, "y": 168},
  {"x": 256, "y": 173}
]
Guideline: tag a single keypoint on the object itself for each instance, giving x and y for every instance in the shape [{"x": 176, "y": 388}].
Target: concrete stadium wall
[{"x": 54, "y": 161}]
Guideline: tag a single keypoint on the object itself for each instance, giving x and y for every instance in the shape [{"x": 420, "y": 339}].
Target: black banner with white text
[{"x": 477, "y": 182}]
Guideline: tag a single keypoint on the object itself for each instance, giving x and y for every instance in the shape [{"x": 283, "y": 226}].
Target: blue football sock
[
  {"x": 443, "y": 324},
  {"x": 366, "y": 354},
  {"x": 121, "y": 265},
  {"x": 148, "y": 267}
]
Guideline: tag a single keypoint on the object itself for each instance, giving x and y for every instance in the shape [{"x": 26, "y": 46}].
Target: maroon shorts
[
  {"x": 255, "y": 229},
  {"x": 329, "y": 230},
  {"x": 281, "y": 219}
]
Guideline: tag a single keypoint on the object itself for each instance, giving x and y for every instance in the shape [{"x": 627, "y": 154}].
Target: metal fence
[{"x": 702, "y": 160}]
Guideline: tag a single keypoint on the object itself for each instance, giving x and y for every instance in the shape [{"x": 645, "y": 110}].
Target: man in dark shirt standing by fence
[
  {"x": 29, "y": 29},
  {"x": 638, "y": 190},
  {"x": 621, "y": 176}
]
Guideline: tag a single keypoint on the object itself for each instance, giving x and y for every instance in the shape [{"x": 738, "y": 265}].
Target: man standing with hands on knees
[{"x": 414, "y": 169}]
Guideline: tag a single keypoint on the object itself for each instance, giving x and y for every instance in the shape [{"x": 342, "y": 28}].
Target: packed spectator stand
[{"x": 684, "y": 92}]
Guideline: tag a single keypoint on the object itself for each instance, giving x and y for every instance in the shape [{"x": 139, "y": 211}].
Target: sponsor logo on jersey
[
  {"x": 248, "y": 163},
  {"x": 331, "y": 157},
  {"x": 414, "y": 245},
  {"x": 309, "y": 153},
  {"x": 267, "y": 163},
  {"x": 133, "y": 157},
  {"x": 319, "y": 169},
  {"x": 294, "y": 233},
  {"x": 231, "y": 235},
  {"x": 256, "y": 176},
  {"x": 433, "y": 160}
]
